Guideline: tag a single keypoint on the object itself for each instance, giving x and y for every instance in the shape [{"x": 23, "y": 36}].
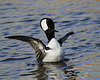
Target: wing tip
[
  {"x": 72, "y": 33},
  {"x": 7, "y": 37},
  {"x": 11, "y": 37}
]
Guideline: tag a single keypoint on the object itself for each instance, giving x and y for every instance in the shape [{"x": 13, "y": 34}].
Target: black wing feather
[
  {"x": 35, "y": 43},
  {"x": 61, "y": 40}
]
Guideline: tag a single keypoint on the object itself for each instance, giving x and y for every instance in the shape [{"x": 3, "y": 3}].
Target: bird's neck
[{"x": 50, "y": 36}]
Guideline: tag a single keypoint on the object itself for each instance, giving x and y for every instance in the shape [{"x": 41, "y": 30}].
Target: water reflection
[{"x": 55, "y": 71}]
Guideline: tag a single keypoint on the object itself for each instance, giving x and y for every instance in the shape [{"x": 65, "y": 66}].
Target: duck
[{"x": 53, "y": 51}]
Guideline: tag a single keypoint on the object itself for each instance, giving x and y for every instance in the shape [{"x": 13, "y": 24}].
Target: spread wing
[
  {"x": 62, "y": 39},
  {"x": 35, "y": 43}
]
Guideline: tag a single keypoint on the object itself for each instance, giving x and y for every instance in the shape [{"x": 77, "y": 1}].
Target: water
[{"x": 21, "y": 17}]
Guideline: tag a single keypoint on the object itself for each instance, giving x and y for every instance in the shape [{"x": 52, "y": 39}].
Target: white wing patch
[{"x": 44, "y": 25}]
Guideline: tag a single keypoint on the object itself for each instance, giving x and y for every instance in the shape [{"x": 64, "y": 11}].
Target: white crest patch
[{"x": 44, "y": 25}]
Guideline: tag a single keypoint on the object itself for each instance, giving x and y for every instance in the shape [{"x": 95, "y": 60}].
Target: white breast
[{"x": 55, "y": 54}]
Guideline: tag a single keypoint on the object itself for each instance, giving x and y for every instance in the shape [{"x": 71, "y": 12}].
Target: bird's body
[
  {"x": 53, "y": 51},
  {"x": 56, "y": 52}
]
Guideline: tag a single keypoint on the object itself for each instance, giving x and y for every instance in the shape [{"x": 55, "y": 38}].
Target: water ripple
[
  {"x": 22, "y": 17},
  {"x": 14, "y": 59}
]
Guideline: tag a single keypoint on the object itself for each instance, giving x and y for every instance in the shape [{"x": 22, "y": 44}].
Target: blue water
[{"x": 22, "y": 17}]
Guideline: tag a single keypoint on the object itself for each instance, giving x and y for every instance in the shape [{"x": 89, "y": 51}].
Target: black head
[{"x": 47, "y": 25}]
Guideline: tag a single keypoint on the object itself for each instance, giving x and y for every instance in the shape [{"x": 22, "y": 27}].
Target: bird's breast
[{"x": 55, "y": 53}]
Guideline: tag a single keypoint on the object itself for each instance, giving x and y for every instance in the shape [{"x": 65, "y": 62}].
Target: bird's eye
[{"x": 49, "y": 28}]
